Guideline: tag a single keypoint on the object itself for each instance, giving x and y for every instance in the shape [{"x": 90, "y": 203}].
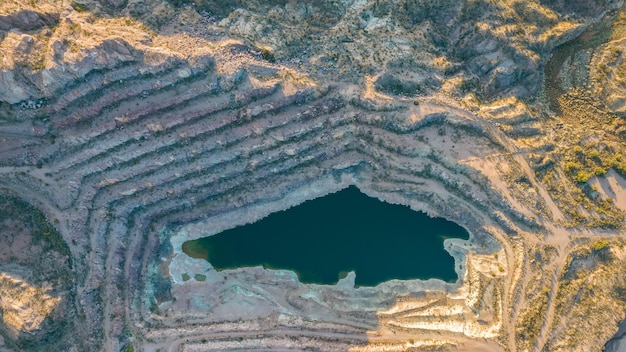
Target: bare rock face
[
  {"x": 138, "y": 125},
  {"x": 440, "y": 41},
  {"x": 28, "y": 20},
  {"x": 435, "y": 38}
]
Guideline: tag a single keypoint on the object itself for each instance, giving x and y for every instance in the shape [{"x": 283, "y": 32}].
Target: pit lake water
[{"x": 325, "y": 238}]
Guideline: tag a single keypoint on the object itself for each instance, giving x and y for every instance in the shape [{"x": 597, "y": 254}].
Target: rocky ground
[
  {"x": 36, "y": 306},
  {"x": 134, "y": 126}
]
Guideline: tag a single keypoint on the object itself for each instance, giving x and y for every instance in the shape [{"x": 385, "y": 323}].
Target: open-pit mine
[{"x": 129, "y": 128}]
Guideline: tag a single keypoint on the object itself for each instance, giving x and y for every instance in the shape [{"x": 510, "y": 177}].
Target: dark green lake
[{"x": 324, "y": 238}]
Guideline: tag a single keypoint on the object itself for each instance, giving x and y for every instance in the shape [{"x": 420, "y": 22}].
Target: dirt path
[
  {"x": 560, "y": 238},
  {"x": 360, "y": 342},
  {"x": 173, "y": 345}
]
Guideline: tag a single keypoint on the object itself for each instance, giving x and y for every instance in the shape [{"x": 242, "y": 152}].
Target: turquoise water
[{"x": 324, "y": 238}]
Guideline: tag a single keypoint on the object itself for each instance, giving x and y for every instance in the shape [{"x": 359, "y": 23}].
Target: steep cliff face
[{"x": 138, "y": 125}]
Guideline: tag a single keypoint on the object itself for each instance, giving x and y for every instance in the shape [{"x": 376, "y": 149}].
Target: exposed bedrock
[
  {"x": 135, "y": 126},
  {"x": 28, "y": 20}
]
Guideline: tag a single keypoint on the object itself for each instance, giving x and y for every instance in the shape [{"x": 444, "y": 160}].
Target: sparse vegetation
[
  {"x": 32, "y": 245},
  {"x": 595, "y": 281},
  {"x": 599, "y": 245},
  {"x": 268, "y": 55},
  {"x": 581, "y": 163}
]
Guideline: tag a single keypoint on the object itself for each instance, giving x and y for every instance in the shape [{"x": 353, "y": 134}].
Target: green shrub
[
  {"x": 267, "y": 55},
  {"x": 599, "y": 171},
  {"x": 578, "y": 150},
  {"x": 582, "y": 177},
  {"x": 571, "y": 166},
  {"x": 620, "y": 167},
  {"x": 599, "y": 245}
]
